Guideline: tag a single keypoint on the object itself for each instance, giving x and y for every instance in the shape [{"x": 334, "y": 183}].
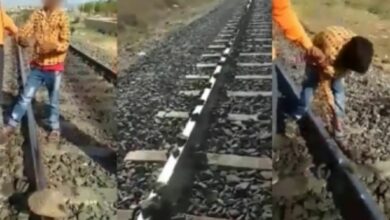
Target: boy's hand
[
  {"x": 48, "y": 47},
  {"x": 23, "y": 42},
  {"x": 315, "y": 55},
  {"x": 323, "y": 64}
]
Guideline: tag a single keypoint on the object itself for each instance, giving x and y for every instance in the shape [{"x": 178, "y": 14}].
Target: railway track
[
  {"x": 220, "y": 130},
  {"x": 82, "y": 167},
  {"x": 346, "y": 188},
  {"x": 107, "y": 72}
]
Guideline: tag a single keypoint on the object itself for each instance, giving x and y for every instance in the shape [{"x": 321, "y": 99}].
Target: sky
[{"x": 13, "y": 3}]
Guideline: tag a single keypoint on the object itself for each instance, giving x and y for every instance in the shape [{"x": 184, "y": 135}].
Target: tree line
[{"x": 99, "y": 7}]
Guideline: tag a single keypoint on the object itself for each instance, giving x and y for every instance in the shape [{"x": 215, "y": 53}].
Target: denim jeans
[
  {"x": 35, "y": 80},
  {"x": 310, "y": 84}
]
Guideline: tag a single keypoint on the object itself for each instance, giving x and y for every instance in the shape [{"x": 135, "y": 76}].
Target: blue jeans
[
  {"x": 35, "y": 80},
  {"x": 310, "y": 84}
]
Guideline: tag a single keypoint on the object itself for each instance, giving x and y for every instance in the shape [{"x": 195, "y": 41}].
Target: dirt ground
[
  {"x": 369, "y": 18},
  {"x": 144, "y": 21}
]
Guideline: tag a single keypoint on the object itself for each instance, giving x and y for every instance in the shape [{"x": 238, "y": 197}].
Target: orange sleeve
[
  {"x": 9, "y": 24},
  {"x": 286, "y": 19}
]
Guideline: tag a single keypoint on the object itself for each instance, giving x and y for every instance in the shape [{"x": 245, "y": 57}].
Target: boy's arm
[
  {"x": 284, "y": 16},
  {"x": 9, "y": 24},
  {"x": 64, "y": 37},
  {"x": 330, "y": 53},
  {"x": 329, "y": 72}
]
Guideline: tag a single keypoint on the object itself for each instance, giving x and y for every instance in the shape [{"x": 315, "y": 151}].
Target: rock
[
  {"x": 233, "y": 213},
  {"x": 290, "y": 186},
  {"x": 232, "y": 179},
  {"x": 49, "y": 203}
]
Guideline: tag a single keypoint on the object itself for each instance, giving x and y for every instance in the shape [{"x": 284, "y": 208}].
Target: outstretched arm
[
  {"x": 286, "y": 19},
  {"x": 9, "y": 24}
]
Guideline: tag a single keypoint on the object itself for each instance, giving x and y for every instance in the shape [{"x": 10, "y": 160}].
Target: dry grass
[
  {"x": 378, "y": 7},
  {"x": 95, "y": 39},
  {"x": 141, "y": 20},
  {"x": 91, "y": 37},
  {"x": 370, "y": 18},
  {"x": 144, "y": 13}
]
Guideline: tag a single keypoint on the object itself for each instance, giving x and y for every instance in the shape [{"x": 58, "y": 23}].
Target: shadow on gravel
[
  {"x": 18, "y": 202},
  {"x": 96, "y": 151},
  {"x": 17, "y": 192},
  {"x": 95, "y": 95},
  {"x": 100, "y": 153}
]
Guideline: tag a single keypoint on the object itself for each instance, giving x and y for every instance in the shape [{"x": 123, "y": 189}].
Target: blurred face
[{"x": 51, "y": 3}]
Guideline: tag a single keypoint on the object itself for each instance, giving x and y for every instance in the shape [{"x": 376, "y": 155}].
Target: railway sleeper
[
  {"x": 232, "y": 116},
  {"x": 223, "y": 160},
  {"x": 240, "y": 77},
  {"x": 230, "y": 93}
]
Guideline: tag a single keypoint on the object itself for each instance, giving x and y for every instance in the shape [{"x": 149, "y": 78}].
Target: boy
[
  {"x": 49, "y": 28},
  {"x": 344, "y": 52}
]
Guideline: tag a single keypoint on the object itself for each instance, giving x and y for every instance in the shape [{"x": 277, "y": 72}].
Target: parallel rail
[
  {"x": 108, "y": 73},
  {"x": 350, "y": 195}
]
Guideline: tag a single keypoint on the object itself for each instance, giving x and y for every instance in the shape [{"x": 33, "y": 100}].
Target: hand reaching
[
  {"x": 23, "y": 42},
  {"x": 316, "y": 57}
]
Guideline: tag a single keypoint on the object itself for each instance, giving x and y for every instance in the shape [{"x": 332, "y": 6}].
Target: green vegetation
[
  {"x": 378, "y": 7},
  {"x": 147, "y": 13},
  {"x": 106, "y": 7},
  {"x": 22, "y": 17}
]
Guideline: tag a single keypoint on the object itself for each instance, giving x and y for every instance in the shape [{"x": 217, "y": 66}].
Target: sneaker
[
  {"x": 6, "y": 133},
  {"x": 54, "y": 136}
]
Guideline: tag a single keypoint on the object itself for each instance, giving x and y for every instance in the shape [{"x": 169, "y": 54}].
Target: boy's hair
[{"x": 356, "y": 55}]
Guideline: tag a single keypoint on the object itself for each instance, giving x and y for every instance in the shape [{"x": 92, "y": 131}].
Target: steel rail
[
  {"x": 35, "y": 171},
  {"x": 109, "y": 74},
  {"x": 171, "y": 182},
  {"x": 350, "y": 195}
]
